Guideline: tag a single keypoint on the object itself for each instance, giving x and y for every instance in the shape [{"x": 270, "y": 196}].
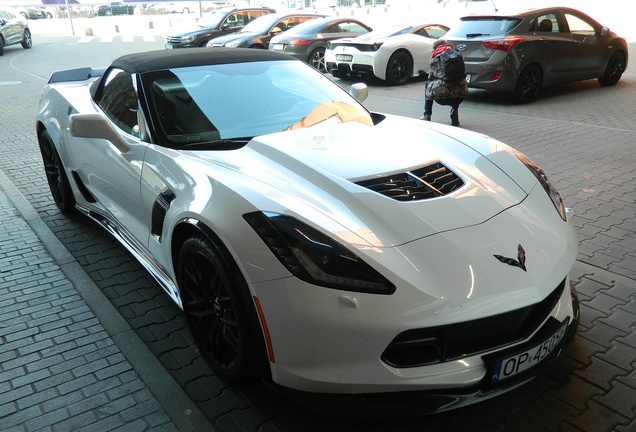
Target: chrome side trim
[{"x": 121, "y": 235}]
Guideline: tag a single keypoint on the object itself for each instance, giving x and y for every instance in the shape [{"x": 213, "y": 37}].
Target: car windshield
[
  {"x": 260, "y": 25},
  {"x": 212, "y": 20},
  {"x": 470, "y": 27},
  {"x": 217, "y": 103},
  {"x": 387, "y": 32}
]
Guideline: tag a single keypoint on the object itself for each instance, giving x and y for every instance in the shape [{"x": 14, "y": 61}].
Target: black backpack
[{"x": 453, "y": 65}]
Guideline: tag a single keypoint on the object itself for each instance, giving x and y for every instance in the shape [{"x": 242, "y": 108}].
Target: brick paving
[{"x": 90, "y": 342}]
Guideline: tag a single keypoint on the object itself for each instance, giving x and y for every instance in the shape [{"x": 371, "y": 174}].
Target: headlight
[
  {"x": 314, "y": 257},
  {"x": 186, "y": 39},
  {"x": 547, "y": 186}
]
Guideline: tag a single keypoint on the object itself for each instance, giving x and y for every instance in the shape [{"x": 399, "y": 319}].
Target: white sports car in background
[
  {"x": 393, "y": 54},
  {"x": 304, "y": 241}
]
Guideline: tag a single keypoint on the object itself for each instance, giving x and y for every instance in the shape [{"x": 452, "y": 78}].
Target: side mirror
[
  {"x": 276, "y": 30},
  {"x": 95, "y": 125},
  {"x": 360, "y": 91},
  {"x": 604, "y": 31}
]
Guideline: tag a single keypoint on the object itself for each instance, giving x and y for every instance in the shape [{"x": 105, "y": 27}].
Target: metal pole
[{"x": 70, "y": 18}]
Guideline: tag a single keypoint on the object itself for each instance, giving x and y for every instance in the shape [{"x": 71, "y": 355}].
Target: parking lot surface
[{"x": 90, "y": 342}]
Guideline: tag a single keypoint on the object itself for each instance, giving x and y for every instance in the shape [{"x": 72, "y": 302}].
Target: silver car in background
[{"x": 527, "y": 51}]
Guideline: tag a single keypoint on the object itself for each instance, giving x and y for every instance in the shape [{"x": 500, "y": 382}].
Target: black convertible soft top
[{"x": 166, "y": 59}]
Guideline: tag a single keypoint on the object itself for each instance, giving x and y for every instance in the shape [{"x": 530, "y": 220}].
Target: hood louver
[{"x": 428, "y": 182}]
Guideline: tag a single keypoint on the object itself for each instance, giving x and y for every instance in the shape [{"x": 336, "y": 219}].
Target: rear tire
[
  {"x": 56, "y": 175},
  {"x": 529, "y": 84},
  {"x": 317, "y": 59},
  {"x": 614, "y": 70},
  {"x": 399, "y": 68},
  {"x": 210, "y": 287}
]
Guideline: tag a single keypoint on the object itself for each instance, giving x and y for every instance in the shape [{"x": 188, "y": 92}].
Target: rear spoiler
[{"x": 80, "y": 74}]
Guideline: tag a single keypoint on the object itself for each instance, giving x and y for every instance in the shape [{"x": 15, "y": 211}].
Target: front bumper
[{"x": 420, "y": 402}]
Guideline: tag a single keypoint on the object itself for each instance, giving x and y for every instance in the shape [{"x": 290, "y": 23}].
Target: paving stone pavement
[{"x": 88, "y": 341}]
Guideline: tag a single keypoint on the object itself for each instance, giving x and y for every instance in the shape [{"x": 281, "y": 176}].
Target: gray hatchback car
[
  {"x": 527, "y": 51},
  {"x": 13, "y": 29}
]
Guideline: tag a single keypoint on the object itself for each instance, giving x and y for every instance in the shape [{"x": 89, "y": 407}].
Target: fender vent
[{"x": 428, "y": 182}]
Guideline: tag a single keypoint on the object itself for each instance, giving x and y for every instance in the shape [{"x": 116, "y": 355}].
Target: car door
[
  {"x": 553, "y": 45},
  {"x": 11, "y": 27},
  {"x": 590, "y": 52},
  {"x": 109, "y": 171}
]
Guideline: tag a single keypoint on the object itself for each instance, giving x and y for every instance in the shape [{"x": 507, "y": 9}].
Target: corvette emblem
[{"x": 519, "y": 262}]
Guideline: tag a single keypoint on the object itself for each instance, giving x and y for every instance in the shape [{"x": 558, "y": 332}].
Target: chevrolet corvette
[{"x": 399, "y": 265}]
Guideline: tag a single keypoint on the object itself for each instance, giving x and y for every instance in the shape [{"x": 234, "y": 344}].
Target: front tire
[
  {"x": 614, "y": 70},
  {"x": 210, "y": 288},
  {"x": 56, "y": 175},
  {"x": 529, "y": 84},
  {"x": 399, "y": 68},
  {"x": 27, "y": 39}
]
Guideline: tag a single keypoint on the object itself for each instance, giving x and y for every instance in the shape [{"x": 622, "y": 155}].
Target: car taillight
[
  {"x": 503, "y": 44},
  {"x": 300, "y": 42}
]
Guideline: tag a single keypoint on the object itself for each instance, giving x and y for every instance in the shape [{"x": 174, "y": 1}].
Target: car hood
[
  {"x": 233, "y": 37},
  {"x": 314, "y": 174}
]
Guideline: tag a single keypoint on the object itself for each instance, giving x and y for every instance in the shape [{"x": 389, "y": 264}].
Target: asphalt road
[{"x": 581, "y": 134}]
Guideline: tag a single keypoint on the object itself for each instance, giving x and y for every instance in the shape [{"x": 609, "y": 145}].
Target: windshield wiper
[
  {"x": 472, "y": 35},
  {"x": 219, "y": 144}
]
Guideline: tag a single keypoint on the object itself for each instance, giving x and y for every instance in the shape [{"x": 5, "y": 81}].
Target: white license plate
[
  {"x": 468, "y": 78},
  {"x": 515, "y": 364},
  {"x": 344, "y": 57},
  {"x": 277, "y": 47},
  {"x": 168, "y": 46}
]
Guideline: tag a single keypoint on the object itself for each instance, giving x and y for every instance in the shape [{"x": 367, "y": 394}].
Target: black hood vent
[{"x": 428, "y": 182}]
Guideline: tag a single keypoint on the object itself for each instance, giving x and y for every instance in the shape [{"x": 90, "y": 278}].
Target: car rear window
[{"x": 472, "y": 27}]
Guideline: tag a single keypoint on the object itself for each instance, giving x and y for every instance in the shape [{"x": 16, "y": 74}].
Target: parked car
[
  {"x": 308, "y": 41},
  {"x": 34, "y": 12},
  {"x": 394, "y": 54},
  {"x": 307, "y": 245},
  {"x": 116, "y": 8},
  {"x": 217, "y": 23},
  {"x": 14, "y": 29},
  {"x": 533, "y": 49},
  {"x": 259, "y": 32}
]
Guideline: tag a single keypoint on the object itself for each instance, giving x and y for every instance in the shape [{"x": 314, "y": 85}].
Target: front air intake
[{"x": 428, "y": 182}]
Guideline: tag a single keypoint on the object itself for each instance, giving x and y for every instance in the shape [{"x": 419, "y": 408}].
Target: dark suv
[
  {"x": 13, "y": 29},
  {"x": 217, "y": 23}
]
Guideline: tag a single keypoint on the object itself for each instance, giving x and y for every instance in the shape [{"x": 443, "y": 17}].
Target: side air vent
[{"x": 428, "y": 182}]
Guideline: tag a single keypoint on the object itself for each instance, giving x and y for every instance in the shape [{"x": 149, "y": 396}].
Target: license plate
[
  {"x": 168, "y": 46},
  {"x": 277, "y": 47},
  {"x": 520, "y": 362},
  {"x": 344, "y": 57},
  {"x": 468, "y": 78}
]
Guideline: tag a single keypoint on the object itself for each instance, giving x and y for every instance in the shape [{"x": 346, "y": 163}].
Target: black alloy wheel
[
  {"x": 529, "y": 84},
  {"x": 614, "y": 70},
  {"x": 55, "y": 174},
  {"x": 215, "y": 310},
  {"x": 399, "y": 68}
]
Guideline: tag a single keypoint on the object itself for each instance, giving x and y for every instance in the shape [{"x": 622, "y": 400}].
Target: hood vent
[{"x": 428, "y": 182}]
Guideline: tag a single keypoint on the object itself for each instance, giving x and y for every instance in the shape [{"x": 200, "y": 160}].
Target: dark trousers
[{"x": 452, "y": 102}]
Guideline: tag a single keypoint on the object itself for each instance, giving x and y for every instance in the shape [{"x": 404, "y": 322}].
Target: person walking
[{"x": 444, "y": 86}]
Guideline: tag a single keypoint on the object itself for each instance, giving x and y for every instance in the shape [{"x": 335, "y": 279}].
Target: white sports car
[
  {"x": 393, "y": 54},
  {"x": 325, "y": 248}
]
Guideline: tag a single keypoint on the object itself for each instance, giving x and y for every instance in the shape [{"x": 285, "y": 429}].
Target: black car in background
[
  {"x": 115, "y": 8},
  {"x": 217, "y": 23},
  {"x": 259, "y": 32},
  {"x": 308, "y": 41},
  {"x": 14, "y": 29}
]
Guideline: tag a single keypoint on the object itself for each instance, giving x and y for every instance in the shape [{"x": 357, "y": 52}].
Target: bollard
[
  {"x": 151, "y": 25},
  {"x": 116, "y": 29},
  {"x": 88, "y": 31}
]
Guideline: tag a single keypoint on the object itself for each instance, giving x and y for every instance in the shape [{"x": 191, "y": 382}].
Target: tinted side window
[
  {"x": 119, "y": 101},
  {"x": 352, "y": 27},
  {"x": 434, "y": 32}
]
